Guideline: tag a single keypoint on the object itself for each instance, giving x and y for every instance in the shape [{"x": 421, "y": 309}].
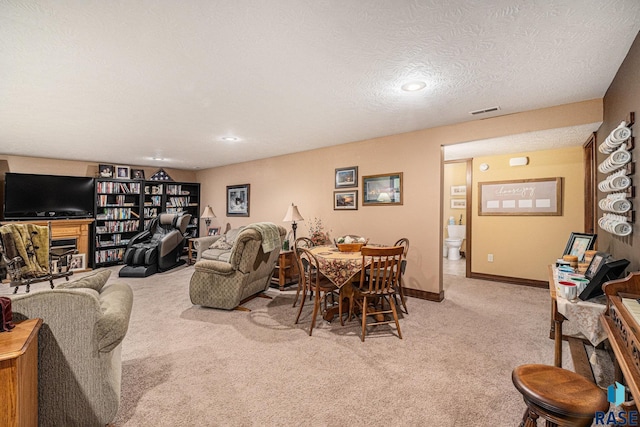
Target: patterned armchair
[{"x": 226, "y": 285}]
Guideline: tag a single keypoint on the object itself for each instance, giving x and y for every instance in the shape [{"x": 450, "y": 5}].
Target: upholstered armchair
[
  {"x": 221, "y": 284},
  {"x": 79, "y": 364}
]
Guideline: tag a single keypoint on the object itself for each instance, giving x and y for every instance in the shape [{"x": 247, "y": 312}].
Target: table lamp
[
  {"x": 292, "y": 216},
  {"x": 207, "y": 214}
]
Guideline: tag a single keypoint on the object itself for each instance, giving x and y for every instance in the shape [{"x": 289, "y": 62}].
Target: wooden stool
[{"x": 559, "y": 396}]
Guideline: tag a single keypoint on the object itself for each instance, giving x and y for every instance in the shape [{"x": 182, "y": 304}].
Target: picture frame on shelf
[
  {"x": 382, "y": 189},
  {"x": 137, "y": 173},
  {"x": 458, "y": 203},
  {"x": 238, "y": 198},
  {"x": 458, "y": 190},
  {"x": 213, "y": 231},
  {"x": 579, "y": 243},
  {"x": 123, "y": 172},
  {"x": 345, "y": 200},
  {"x": 77, "y": 262},
  {"x": 596, "y": 262},
  {"x": 346, "y": 177},
  {"x": 105, "y": 171}
]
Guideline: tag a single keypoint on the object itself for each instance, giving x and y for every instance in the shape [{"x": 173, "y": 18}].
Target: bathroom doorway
[{"x": 456, "y": 214}]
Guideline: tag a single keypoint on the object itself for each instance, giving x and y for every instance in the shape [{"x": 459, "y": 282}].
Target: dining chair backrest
[
  {"x": 382, "y": 273},
  {"x": 404, "y": 242},
  {"x": 308, "y": 267},
  {"x": 303, "y": 242}
]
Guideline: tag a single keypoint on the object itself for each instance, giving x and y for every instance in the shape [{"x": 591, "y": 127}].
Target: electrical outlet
[{"x": 490, "y": 257}]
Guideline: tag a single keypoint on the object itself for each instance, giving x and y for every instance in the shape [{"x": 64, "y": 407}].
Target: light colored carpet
[{"x": 185, "y": 365}]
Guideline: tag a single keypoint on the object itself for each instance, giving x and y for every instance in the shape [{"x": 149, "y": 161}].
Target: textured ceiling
[
  {"x": 127, "y": 81},
  {"x": 522, "y": 142}
]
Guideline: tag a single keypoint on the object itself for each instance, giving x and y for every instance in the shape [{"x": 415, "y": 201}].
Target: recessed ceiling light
[
  {"x": 414, "y": 86},
  {"x": 229, "y": 138}
]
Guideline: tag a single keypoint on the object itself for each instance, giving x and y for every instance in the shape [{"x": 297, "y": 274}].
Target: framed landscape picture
[
  {"x": 347, "y": 177},
  {"x": 238, "y": 200},
  {"x": 384, "y": 189},
  {"x": 345, "y": 200}
]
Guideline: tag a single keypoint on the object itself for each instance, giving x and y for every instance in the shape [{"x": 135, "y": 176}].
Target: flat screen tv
[{"x": 31, "y": 196}]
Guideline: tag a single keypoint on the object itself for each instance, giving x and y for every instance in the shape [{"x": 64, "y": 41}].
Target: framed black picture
[
  {"x": 238, "y": 200},
  {"x": 137, "y": 173},
  {"x": 347, "y": 177},
  {"x": 106, "y": 171},
  {"x": 579, "y": 243},
  {"x": 598, "y": 259}
]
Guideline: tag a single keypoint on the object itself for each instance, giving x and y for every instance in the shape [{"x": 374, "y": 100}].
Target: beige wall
[
  {"x": 523, "y": 246},
  {"x": 455, "y": 174},
  {"x": 45, "y": 166},
  {"x": 307, "y": 179}
]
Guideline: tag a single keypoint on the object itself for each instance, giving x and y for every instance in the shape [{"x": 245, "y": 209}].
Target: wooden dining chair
[
  {"x": 314, "y": 283},
  {"x": 404, "y": 242},
  {"x": 300, "y": 242},
  {"x": 380, "y": 283}
]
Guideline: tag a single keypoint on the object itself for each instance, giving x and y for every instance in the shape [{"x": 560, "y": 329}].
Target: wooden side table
[
  {"x": 192, "y": 253},
  {"x": 286, "y": 271},
  {"x": 19, "y": 375}
]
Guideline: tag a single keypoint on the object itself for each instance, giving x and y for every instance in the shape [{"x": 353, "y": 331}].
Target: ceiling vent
[{"x": 484, "y": 110}]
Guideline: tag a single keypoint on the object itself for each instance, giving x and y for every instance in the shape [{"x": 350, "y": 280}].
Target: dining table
[{"x": 341, "y": 268}]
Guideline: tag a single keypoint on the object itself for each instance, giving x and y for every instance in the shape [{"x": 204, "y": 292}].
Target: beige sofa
[
  {"x": 222, "y": 244},
  {"x": 224, "y": 279},
  {"x": 79, "y": 364}
]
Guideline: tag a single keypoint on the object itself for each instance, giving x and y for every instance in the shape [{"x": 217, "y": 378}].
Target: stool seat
[{"x": 559, "y": 395}]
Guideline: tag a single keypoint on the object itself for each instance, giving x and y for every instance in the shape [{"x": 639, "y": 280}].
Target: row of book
[
  {"x": 117, "y": 213},
  {"x": 120, "y": 200},
  {"x": 109, "y": 255},
  {"x": 116, "y": 240},
  {"x": 112, "y": 187},
  {"x": 118, "y": 226},
  {"x": 178, "y": 201}
]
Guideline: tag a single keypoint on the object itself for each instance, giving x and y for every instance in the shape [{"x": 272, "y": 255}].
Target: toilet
[{"x": 454, "y": 241}]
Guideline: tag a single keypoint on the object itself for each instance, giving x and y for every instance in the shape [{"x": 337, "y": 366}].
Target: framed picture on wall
[
  {"x": 458, "y": 190},
  {"x": 347, "y": 177},
  {"x": 458, "y": 203},
  {"x": 345, "y": 200},
  {"x": 384, "y": 189},
  {"x": 238, "y": 200}
]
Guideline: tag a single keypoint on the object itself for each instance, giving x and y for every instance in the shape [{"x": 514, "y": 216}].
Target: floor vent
[{"x": 485, "y": 110}]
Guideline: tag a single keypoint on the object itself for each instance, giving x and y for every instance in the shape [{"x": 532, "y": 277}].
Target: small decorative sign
[{"x": 521, "y": 197}]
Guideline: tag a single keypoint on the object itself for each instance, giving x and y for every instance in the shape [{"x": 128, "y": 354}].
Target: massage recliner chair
[{"x": 158, "y": 248}]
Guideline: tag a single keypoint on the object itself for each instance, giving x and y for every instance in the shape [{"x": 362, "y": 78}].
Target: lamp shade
[
  {"x": 384, "y": 197},
  {"x": 207, "y": 212},
  {"x": 292, "y": 214}
]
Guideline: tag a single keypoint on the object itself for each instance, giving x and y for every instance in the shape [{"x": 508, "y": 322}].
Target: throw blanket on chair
[
  {"x": 270, "y": 235},
  {"x": 29, "y": 242}
]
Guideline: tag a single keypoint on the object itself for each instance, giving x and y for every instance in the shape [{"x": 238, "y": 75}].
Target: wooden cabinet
[
  {"x": 19, "y": 375},
  {"x": 286, "y": 271}
]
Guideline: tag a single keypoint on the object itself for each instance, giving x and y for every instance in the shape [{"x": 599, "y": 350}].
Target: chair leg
[
  {"x": 316, "y": 308},
  {"x": 402, "y": 297},
  {"x": 304, "y": 297},
  {"x": 297, "y": 294},
  {"x": 395, "y": 316},
  {"x": 364, "y": 317}
]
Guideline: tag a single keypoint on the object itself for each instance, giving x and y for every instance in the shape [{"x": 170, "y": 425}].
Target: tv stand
[{"x": 77, "y": 229}]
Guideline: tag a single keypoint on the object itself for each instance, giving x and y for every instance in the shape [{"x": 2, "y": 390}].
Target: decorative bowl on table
[{"x": 350, "y": 243}]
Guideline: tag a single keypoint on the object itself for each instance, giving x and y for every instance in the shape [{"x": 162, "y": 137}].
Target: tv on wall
[{"x": 31, "y": 196}]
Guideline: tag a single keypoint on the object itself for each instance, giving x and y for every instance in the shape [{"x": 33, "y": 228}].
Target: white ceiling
[{"x": 127, "y": 81}]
